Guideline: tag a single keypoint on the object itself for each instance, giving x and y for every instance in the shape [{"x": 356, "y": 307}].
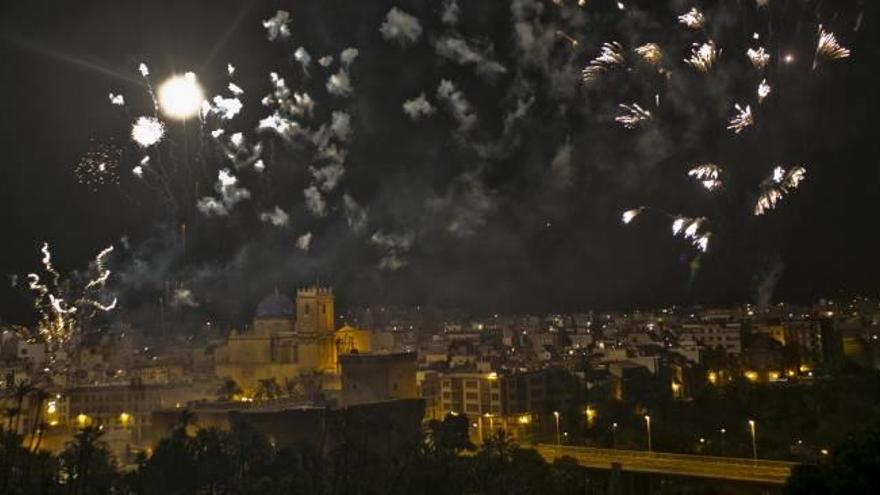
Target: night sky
[{"x": 520, "y": 211}]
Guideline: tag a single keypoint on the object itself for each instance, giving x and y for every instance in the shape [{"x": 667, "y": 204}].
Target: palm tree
[
  {"x": 267, "y": 389},
  {"x": 87, "y": 461},
  {"x": 35, "y": 447},
  {"x": 20, "y": 391},
  {"x": 40, "y": 395},
  {"x": 11, "y": 413}
]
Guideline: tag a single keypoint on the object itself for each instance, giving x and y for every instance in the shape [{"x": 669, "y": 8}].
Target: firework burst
[
  {"x": 763, "y": 90},
  {"x": 629, "y": 215},
  {"x": 692, "y": 229},
  {"x": 99, "y": 166},
  {"x": 693, "y": 19},
  {"x": 633, "y": 116},
  {"x": 703, "y": 56},
  {"x": 610, "y": 56},
  {"x": 779, "y": 184},
  {"x": 742, "y": 119},
  {"x": 758, "y": 57},
  {"x": 828, "y": 48},
  {"x": 708, "y": 174},
  {"x": 650, "y": 53},
  {"x": 147, "y": 131}
]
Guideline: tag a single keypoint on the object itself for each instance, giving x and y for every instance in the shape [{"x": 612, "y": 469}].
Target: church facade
[{"x": 288, "y": 338}]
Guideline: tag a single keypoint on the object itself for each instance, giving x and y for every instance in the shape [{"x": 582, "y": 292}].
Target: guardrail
[{"x": 729, "y": 468}]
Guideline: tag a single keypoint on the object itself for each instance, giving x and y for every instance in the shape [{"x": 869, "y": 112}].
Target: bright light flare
[{"x": 181, "y": 97}]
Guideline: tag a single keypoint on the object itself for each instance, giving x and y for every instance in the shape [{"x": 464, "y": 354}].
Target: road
[{"x": 723, "y": 468}]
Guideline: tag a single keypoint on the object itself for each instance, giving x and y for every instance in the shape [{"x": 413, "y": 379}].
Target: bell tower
[{"x": 314, "y": 311}]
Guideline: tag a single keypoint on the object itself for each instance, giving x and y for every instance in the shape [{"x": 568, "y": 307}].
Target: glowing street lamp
[
  {"x": 614, "y": 435},
  {"x": 648, "y": 427},
  {"x": 754, "y": 440},
  {"x": 723, "y": 431},
  {"x": 591, "y": 416},
  {"x": 558, "y": 438},
  {"x": 181, "y": 97}
]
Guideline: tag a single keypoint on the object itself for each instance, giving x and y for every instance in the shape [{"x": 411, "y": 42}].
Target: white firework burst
[
  {"x": 779, "y": 184},
  {"x": 828, "y": 48},
  {"x": 742, "y": 119},
  {"x": 117, "y": 100},
  {"x": 708, "y": 174},
  {"x": 147, "y": 131},
  {"x": 693, "y": 19},
  {"x": 610, "y": 55},
  {"x": 703, "y": 56},
  {"x": 759, "y": 57},
  {"x": 763, "y": 90},
  {"x": 633, "y": 116},
  {"x": 702, "y": 242},
  {"x": 692, "y": 229}
]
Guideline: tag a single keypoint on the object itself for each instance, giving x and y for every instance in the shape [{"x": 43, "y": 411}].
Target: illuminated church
[{"x": 289, "y": 338}]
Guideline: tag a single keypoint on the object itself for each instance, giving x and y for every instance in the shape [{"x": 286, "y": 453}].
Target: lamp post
[
  {"x": 613, "y": 435},
  {"x": 723, "y": 431},
  {"x": 558, "y": 438},
  {"x": 648, "y": 427},
  {"x": 754, "y": 440}
]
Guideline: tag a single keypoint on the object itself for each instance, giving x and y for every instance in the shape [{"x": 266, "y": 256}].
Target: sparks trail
[
  {"x": 63, "y": 307},
  {"x": 573, "y": 42}
]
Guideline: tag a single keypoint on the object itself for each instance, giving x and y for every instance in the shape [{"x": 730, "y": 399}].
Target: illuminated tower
[{"x": 314, "y": 311}]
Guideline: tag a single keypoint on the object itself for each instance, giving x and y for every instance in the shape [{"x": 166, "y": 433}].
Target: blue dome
[{"x": 275, "y": 306}]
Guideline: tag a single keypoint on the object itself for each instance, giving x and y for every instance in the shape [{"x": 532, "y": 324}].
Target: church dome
[{"x": 275, "y": 306}]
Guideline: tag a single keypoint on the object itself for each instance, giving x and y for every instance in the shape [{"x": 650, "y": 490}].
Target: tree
[
  {"x": 851, "y": 469},
  {"x": 228, "y": 390},
  {"x": 451, "y": 434},
  {"x": 87, "y": 464},
  {"x": 267, "y": 389},
  {"x": 37, "y": 426}
]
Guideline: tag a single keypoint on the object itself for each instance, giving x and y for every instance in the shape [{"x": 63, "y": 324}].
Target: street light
[
  {"x": 723, "y": 431},
  {"x": 591, "y": 416},
  {"x": 558, "y": 438},
  {"x": 648, "y": 426},
  {"x": 754, "y": 440},
  {"x": 613, "y": 435}
]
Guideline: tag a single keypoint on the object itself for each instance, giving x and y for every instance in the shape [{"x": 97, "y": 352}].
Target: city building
[
  {"x": 377, "y": 377},
  {"x": 289, "y": 338}
]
